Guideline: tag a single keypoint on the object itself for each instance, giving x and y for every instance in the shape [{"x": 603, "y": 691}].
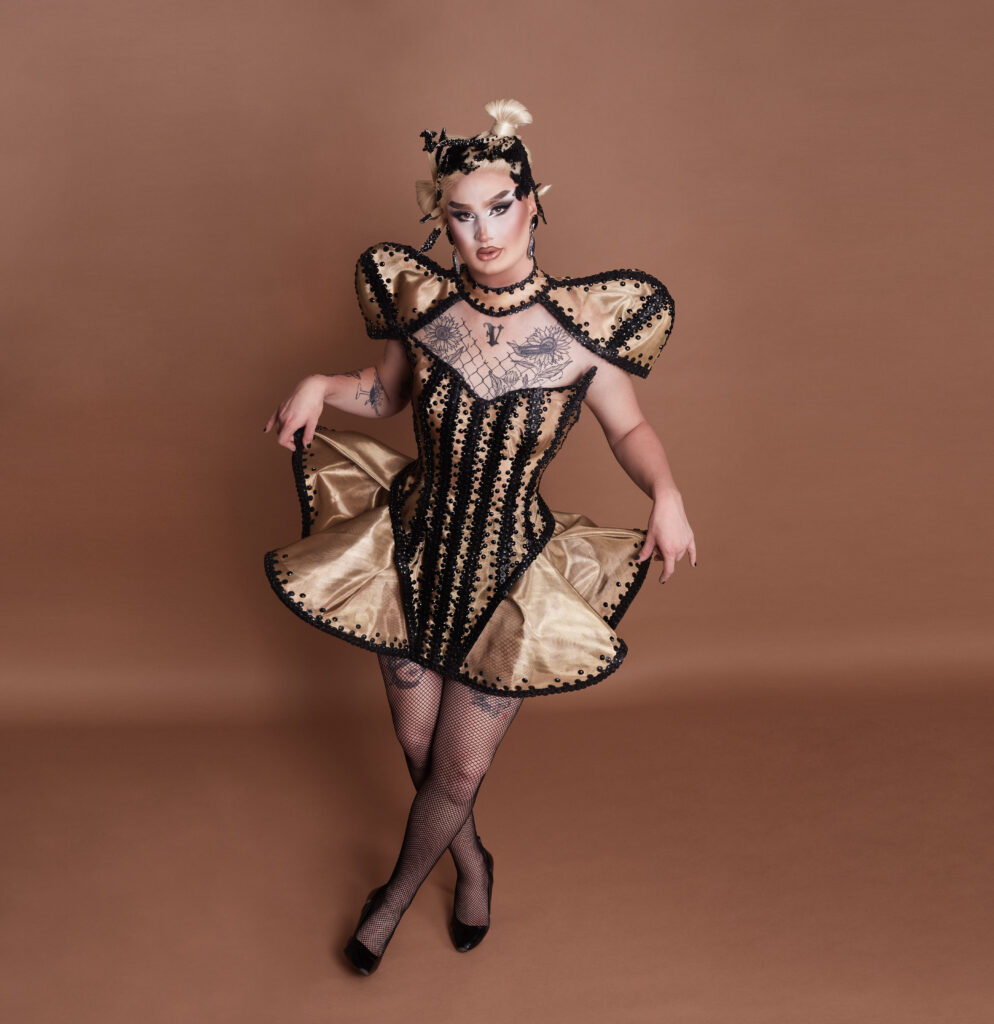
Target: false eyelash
[{"x": 503, "y": 207}]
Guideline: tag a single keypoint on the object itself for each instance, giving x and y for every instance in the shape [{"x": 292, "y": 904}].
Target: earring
[
  {"x": 531, "y": 245},
  {"x": 455, "y": 259}
]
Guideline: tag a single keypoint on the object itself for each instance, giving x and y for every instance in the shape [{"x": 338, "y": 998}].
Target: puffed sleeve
[
  {"x": 374, "y": 298},
  {"x": 626, "y": 316},
  {"x": 397, "y": 287}
]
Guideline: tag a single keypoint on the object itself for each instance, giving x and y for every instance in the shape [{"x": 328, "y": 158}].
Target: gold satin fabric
[
  {"x": 413, "y": 285},
  {"x": 549, "y": 629}
]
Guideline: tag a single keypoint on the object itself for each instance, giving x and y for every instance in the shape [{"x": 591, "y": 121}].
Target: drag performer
[{"x": 450, "y": 566}]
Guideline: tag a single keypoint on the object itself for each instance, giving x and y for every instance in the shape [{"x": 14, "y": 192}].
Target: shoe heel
[
  {"x": 467, "y": 936},
  {"x": 363, "y": 959}
]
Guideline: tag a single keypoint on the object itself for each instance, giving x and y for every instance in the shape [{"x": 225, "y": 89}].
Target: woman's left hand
[{"x": 669, "y": 536}]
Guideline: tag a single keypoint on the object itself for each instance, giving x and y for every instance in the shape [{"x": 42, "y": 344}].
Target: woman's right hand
[{"x": 301, "y": 408}]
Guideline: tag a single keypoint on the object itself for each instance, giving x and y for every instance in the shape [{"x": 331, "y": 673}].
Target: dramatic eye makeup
[
  {"x": 498, "y": 209},
  {"x": 462, "y": 213}
]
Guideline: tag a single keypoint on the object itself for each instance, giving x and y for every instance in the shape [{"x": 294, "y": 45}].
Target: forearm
[
  {"x": 360, "y": 392},
  {"x": 640, "y": 453}
]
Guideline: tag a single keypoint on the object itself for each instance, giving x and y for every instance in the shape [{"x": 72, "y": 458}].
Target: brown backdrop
[
  {"x": 186, "y": 187},
  {"x": 778, "y": 810}
]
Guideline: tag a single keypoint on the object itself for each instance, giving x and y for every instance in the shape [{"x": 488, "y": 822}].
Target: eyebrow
[{"x": 492, "y": 199}]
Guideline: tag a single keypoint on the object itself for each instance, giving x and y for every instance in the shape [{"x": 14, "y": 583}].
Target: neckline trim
[
  {"x": 507, "y": 298},
  {"x": 523, "y": 283}
]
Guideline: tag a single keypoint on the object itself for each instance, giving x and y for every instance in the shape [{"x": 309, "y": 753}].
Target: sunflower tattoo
[{"x": 543, "y": 355}]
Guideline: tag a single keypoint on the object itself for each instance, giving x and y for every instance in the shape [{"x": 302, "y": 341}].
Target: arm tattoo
[{"x": 375, "y": 396}]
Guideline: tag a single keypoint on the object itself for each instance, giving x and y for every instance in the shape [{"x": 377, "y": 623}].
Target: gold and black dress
[{"x": 453, "y": 559}]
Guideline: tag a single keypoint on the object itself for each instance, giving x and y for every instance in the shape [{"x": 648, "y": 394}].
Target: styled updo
[{"x": 499, "y": 148}]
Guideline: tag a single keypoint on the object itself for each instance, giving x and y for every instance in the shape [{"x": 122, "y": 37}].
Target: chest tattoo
[{"x": 538, "y": 361}]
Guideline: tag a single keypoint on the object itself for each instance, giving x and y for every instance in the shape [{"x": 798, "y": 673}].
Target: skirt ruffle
[{"x": 554, "y": 631}]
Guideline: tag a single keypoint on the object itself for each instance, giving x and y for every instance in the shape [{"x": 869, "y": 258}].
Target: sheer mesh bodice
[{"x": 497, "y": 354}]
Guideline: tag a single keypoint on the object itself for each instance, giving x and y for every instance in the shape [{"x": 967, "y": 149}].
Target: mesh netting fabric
[
  {"x": 450, "y": 733},
  {"x": 524, "y": 349}
]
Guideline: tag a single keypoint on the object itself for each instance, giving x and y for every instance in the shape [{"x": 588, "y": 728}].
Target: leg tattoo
[{"x": 450, "y": 738}]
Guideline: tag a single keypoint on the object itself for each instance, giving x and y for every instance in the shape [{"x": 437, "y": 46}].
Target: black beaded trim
[
  {"x": 423, "y": 514},
  {"x": 467, "y": 296},
  {"x": 399, "y": 650},
  {"x": 384, "y": 299},
  {"x": 367, "y": 266},
  {"x": 533, "y": 549},
  {"x": 418, "y": 619},
  {"x": 509, "y": 522},
  {"x": 630, "y": 590},
  {"x": 401, "y": 556},
  {"x": 478, "y": 527},
  {"x": 567, "y": 420},
  {"x": 307, "y": 511},
  {"x": 658, "y": 301},
  {"x": 431, "y": 594},
  {"x": 463, "y": 485},
  {"x": 408, "y": 538},
  {"x": 654, "y": 304},
  {"x": 505, "y": 288},
  {"x": 536, "y": 542}
]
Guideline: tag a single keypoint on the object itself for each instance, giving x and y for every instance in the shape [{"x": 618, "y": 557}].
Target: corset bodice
[
  {"x": 467, "y": 513},
  {"x": 452, "y": 558}
]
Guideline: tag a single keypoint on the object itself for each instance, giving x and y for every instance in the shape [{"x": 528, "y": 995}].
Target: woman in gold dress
[{"x": 450, "y": 566}]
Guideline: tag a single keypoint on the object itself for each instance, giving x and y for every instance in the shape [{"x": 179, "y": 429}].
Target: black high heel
[
  {"x": 363, "y": 959},
  {"x": 466, "y": 936}
]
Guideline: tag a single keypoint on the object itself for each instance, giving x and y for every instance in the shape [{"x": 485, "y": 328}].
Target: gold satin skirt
[{"x": 554, "y": 628}]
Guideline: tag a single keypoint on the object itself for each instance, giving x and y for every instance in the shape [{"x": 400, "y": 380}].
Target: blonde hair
[{"x": 507, "y": 116}]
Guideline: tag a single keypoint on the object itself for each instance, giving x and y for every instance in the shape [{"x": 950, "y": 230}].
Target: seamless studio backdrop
[{"x": 185, "y": 190}]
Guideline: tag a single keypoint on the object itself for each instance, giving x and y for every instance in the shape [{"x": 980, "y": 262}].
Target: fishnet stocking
[
  {"x": 414, "y": 694},
  {"x": 450, "y": 734}
]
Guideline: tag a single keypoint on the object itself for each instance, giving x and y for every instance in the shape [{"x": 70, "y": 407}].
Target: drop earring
[
  {"x": 455, "y": 251},
  {"x": 531, "y": 244}
]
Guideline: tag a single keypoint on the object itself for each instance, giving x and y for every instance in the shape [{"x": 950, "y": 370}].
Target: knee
[
  {"x": 458, "y": 775},
  {"x": 415, "y": 738}
]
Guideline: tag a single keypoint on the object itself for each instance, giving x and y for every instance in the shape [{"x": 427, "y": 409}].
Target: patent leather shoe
[
  {"x": 466, "y": 936},
  {"x": 363, "y": 959}
]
